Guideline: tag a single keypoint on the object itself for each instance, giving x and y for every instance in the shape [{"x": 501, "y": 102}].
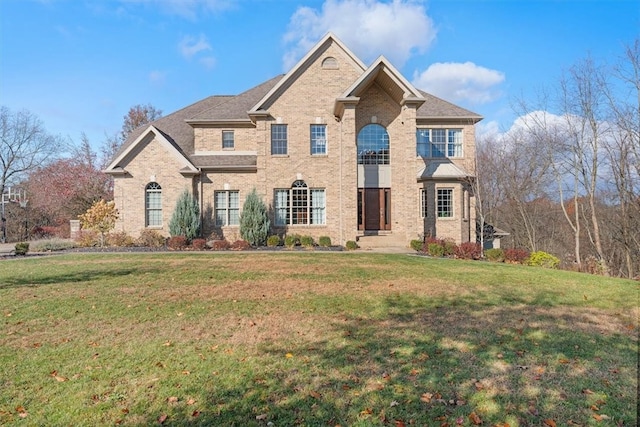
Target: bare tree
[
  {"x": 137, "y": 116},
  {"x": 24, "y": 145}
]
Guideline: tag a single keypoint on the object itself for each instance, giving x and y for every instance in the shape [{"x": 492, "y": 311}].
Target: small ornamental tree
[
  {"x": 100, "y": 217},
  {"x": 186, "y": 217},
  {"x": 254, "y": 221}
]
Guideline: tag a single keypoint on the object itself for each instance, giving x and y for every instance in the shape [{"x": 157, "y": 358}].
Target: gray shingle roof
[
  {"x": 225, "y": 161},
  {"x": 435, "y": 107}
]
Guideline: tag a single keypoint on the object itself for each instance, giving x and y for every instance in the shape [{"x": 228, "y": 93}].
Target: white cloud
[
  {"x": 189, "y": 46},
  {"x": 460, "y": 82},
  {"x": 370, "y": 28},
  {"x": 209, "y": 62}
]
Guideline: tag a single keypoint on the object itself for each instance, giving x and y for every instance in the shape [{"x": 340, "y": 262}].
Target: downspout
[
  {"x": 201, "y": 202},
  {"x": 341, "y": 190}
]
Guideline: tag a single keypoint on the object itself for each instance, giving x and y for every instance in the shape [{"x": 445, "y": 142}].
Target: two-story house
[{"x": 334, "y": 148}]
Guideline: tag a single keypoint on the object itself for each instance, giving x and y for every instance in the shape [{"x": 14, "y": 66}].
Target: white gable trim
[
  {"x": 299, "y": 67},
  {"x": 151, "y": 131},
  {"x": 382, "y": 65}
]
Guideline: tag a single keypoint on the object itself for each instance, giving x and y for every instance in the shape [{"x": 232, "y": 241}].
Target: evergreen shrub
[
  {"x": 254, "y": 220},
  {"x": 185, "y": 220}
]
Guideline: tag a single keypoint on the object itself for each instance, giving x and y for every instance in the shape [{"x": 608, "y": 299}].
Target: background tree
[
  {"x": 254, "y": 221},
  {"x": 100, "y": 217},
  {"x": 137, "y": 116},
  {"x": 24, "y": 145},
  {"x": 185, "y": 220}
]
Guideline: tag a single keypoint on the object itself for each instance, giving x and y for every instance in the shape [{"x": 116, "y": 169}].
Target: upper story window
[
  {"x": 318, "y": 139},
  {"x": 153, "y": 205},
  {"x": 439, "y": 142},
  {"x": 330, "y": 63},
  {"x": 228, "y": 140},
  {"x": 278, "y": 139},
  {"x": 373, "y": 145}
]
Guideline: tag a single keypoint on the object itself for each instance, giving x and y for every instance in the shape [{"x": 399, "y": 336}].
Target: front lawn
[{"x": 326, "y": 339}]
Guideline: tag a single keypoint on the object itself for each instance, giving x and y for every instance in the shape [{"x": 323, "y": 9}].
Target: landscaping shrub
[
  {"x": 468, "y": 250},
  {"x": 220, "y": 245},
  {"x": 416, "y": 245},
  {"x": 435, "y": 249},
  {"x": 274, "y": 241},
  {"x": 291, "y": 240},
  {"x": 46, "y": 232},
  {"x": 87, "y": 238},
  {"x": 495, "y": 254},
  {"x": 100, "y": 217},
  {"x": 54, "y": 244},
  {"x": 450, "y": 248},
  {"x": 306, "y": 241},
  {"x": 240, "y": 245},
  {"x": 177, "y": 242},
  {"x": 199, "y": 244},
  {"x": 254, "y": 220},
  {"x": 351, "y": 245},
  {"x": 516, "y": 256},
  {"x": 543, "y": 259},
  {"x": 185, "y": 220},
  {"x": 151, "y": 239},
  {"x": 324, "y": 241},
  {"x": 120, "y": 239},
  {"x": 22, "y": 248}
]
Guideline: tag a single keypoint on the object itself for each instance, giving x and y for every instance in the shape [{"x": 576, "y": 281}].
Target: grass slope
[{"x": 348, "y": 339}]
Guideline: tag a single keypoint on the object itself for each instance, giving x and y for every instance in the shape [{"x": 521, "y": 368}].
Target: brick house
[{"x": 333, "y": 147}]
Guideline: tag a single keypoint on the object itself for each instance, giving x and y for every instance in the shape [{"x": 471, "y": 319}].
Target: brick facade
[{"x": 311, "y": 93}]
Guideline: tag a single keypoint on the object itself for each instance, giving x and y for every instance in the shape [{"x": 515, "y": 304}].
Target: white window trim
[
  {"x": 451, "y": 202},
  {"x": 447, "y": 144},
  {"x": 227, "y": 208}
]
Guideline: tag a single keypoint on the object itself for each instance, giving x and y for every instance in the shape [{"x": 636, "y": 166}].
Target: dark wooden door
[{"x": 372, "y": 209}]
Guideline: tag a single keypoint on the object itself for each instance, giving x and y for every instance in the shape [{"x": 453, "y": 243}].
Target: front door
[{"x": 374, "y": 209}]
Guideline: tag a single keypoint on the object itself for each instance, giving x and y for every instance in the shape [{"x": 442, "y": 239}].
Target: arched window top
[
  {"x": 373, "y": 145},
  {"x": 153, "y": 186},
  {"x": 299, "y": 184},
  {"x": 330, "y": 63}
]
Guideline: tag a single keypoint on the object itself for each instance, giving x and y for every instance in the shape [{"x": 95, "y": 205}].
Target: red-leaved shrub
[
  {"x": 177, "y": 242},
  {"x": 468, "y": 250},
  {"x": 516, "y": 256},
  {"x": 199, "y": 244},
  {"x": 240, "y": 245}
]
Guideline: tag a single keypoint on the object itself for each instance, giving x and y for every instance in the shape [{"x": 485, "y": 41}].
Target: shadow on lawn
[
  {"x": 432, "y": 363},
  {"x": 24, "y": 280}
]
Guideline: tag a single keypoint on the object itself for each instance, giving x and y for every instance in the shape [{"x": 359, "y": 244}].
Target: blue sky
[{"x": 80, "y": 65}]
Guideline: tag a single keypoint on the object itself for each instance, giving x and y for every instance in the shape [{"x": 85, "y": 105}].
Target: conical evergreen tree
[
  {"x": 254, "y": 221},
  {"x": 185, "y": 220}
]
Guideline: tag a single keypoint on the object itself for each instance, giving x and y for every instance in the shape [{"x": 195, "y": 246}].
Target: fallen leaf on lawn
[
  {"x": 587, "y": 391},
  {"x": 162, "y": 418},
  {"x": 564, "y": 361},
  {"x": 186, "y": 373},
  {"x": 549, "y": 422},
  {"x": 191, "y": 401},
  {"x": 573, "y": 423},
  {"x": 460, "y": 421},
  {"x": 386, "y": 376},
  {"x": 172, "y": 399},
  {"x": 366, "y": 411},
  {"x": 426, "y": 397},
  {"x": 479, "y": 385},
  {"x": 261, "y": 417},
  {"x": 288, "y": 355},
  {"x": 394, "y": 403},
  {"x": 502, "y": 425},
  {"x": 60, "y": 379},
  {"x": 195, "y": 413},
  {"x": 167, "y": 343},
  {"x": 594, "y": 408},
  {"x": 414, "y": 372},
  {"x": 600, "y": 417},
  {"x": 315, "y": 394},
  {"x": 475, "y": 419},
  {"x": 345, "y": 387},
  {"x": 400, "y": 423}
]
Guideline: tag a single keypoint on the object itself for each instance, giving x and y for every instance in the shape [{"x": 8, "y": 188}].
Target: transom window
[
  {"x": 228, "y": 139},
  {"x": 300, "y": 205},
  {"x": 153, "y": 205},
  {"x": 373, "y": 145},
  {"x": 445, "y": 202},
  {"x": 227, "y": 207},
  {"x": 318, "y": 139},
  {"x": 278, "y": 139},
  {"x": 439, "y": 142}
]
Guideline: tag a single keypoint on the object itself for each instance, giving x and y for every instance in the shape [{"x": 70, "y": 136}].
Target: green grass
[{"x": 350, "y": 339}]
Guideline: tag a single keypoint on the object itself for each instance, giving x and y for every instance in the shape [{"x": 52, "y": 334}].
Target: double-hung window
[
  {"x": 278, "y": 139},
  {"x": 439, "y": 143},
  {"x": 300, "y": 205},
  {"x": 228, "y": 141},
  {"x": 227, "y": 207},
  {"x": 445, "y": 202},
  {"x": 318, "y": 139},
  {"x": 423, "y": 202}
]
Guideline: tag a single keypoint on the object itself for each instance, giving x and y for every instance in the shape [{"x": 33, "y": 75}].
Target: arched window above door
[{"x": 373, "y": 145}]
